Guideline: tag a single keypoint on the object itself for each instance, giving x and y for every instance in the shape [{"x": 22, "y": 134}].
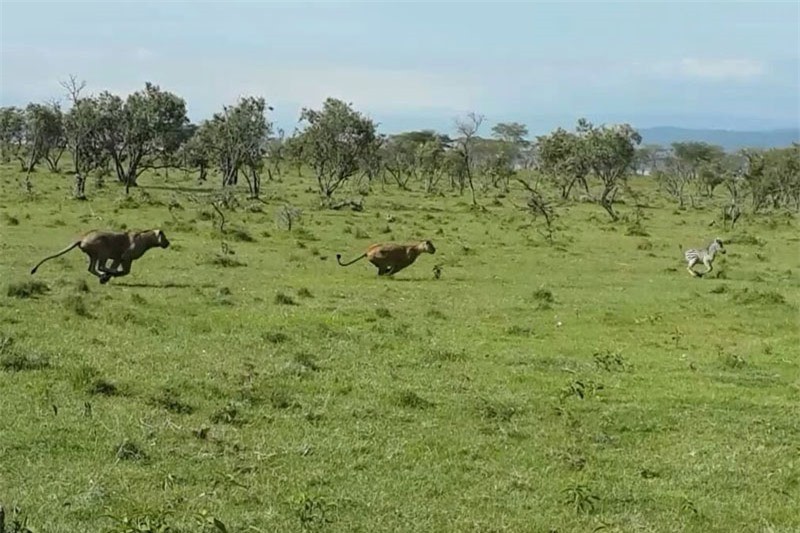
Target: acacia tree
[
  {"x": 236, "y": 140},
  {"x": 610, "y": 151},
  {"x": 12, "y": 132},
  {"x": 32, "y": 134},
  {"x": 337, "y": 142},
  {"x": 562, "y": 156},
  {"x": 196, "y": 153},
  {"x": 141, "y": 132},
  {"x": 81, "y": 127},
  {"x": 512, "y": 136},
  {"x": 430, "y": 157},
  {"x": 650, "y": 158},
  {"x": 693, "y": 163},
  {"x": 772, "y": 177},
  {"x": 467, "y": 129},
  {"x": 45, "y": 126},
  {"x": 276, "y": 154}
]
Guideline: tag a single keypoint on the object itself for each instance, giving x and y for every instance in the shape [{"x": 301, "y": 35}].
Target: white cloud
[
  {"x": 143, "y": 54},
  {"x": 711, "y": 69},
  {"x": 366, "y": 88}
]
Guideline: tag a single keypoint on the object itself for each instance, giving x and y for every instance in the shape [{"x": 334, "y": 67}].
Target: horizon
[{"x": 409, "y": 66}]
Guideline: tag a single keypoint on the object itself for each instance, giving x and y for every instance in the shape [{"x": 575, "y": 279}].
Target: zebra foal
[{"x": 704, "y": 255}]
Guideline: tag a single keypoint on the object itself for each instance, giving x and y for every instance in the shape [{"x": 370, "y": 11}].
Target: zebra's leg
[
  {"x": 689, "y": 268},
  {"x": 709, "y": 267}
]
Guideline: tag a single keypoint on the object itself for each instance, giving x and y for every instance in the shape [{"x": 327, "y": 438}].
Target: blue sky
[{"x": 409, "y": 65}]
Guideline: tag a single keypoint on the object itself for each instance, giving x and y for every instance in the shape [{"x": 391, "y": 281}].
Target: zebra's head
[{"x": 718, "y": 245}]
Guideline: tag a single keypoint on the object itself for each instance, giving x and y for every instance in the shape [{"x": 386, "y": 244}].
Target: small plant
[
  {"x": 76, "y": 304},
  {"x": 748, "y": 297},
  {"x": 731, "y": 360},
  {"x": 580, "y": 497},
  {"x": 412, "y": 400},
  {"x": 382, "y": 312},
  {"x": 281, "y": 399},
  {"x": 284, "y": 299},
  {"x": 240, "y": 235},
  {"x": 610, "y": 361},
  {"x": 304, "y": 293},
  {"x": 18, "y": 523},
  {"x": 307, "y": 361},
  {"x": 226, "y": 261},
  {"x": 288, "y": 216},
  {"x": 229, "y": 414},
  {"x": 544, "y": 296},
  {"x": 10, "y": 220},
  {"x": 170, "y": 400},
  {"x": 81, "y": 286},
  {"x": 435, "y": 313},
  {"x": 12, "y": 360},
  {"x": 275, "y": 337},
  {"x": 636, "y": 229},
  {"x": 128, "y": 450},
  {"x": 520, "y": 331},
  {"x": 26, "y": 289},
  {"x": 312, "y": 513},
  {"x": 580, "y": 389},
  {"x": 103, "y": 387},
  {"x": 438, "y": 354},
  {"x": 223, "y": 296},
  {"x": 496, "y": 410}
]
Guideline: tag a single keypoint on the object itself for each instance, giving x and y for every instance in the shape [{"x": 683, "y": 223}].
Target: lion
[
  {"x": 391, "y": 258},
  {"x": 122, "y": 248}
]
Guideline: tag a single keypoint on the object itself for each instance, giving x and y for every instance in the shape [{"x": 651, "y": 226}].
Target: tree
[
  {"x": 773, "y": 177},
  {"x": 496, "y": 160},
  {"x": 649, "y": 159},
  {"x": 563, "y": 157},
  {"x": 337, "y": 142},
  {"x": 414, "y": 155},
  {"x": 12, "y": 132},
  {"x": 276, "y": 154},
  {"x": 197, "y": 152},
  {"x": 513, "y": 144},
  {"x": 689, "y": 160},
  {"x": 430, "y": 157},
  {"x": 42, "y": 137},
  {"x": 237, "y": 138},
  {"x": 467, "y": 129},
  {"x": 610, "y": 151},
  {"x": 539, "y": 206},
  {"x": 511, "y": 132},
  {"x": 81, "y": 127},
  {"x": 140, "y": 132}
]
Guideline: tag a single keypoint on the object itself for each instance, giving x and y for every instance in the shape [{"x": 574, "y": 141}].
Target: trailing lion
[{"x": 121, "y": 248}]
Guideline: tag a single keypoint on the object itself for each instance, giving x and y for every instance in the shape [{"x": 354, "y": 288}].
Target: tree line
[{"x": 107, "y": 135}]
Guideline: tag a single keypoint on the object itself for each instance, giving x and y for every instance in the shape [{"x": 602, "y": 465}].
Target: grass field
[{"x": 591, "y": 385}]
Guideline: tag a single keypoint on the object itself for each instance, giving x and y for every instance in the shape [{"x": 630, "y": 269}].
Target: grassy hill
[{"x": 730, "y": 140}]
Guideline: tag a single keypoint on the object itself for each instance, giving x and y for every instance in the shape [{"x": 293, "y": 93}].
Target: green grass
[{"x": 591, "y": 385}]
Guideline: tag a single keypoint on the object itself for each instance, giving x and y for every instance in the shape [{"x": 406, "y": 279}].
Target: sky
[{"x": 413, "y": 65}]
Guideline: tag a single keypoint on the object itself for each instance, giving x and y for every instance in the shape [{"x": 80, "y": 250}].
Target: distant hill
[{"x": 728, "y": 139}]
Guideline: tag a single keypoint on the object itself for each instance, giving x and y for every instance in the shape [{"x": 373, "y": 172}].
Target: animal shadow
[{"x": 165, "y": 285}]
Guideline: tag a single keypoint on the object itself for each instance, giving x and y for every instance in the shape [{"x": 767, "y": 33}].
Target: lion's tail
[
  {"x": 339, "y": 259},
  {"x": 62, "y": 252}
]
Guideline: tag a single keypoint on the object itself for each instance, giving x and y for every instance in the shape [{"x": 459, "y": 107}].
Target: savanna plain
[{"x": 241, "y": 380}]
